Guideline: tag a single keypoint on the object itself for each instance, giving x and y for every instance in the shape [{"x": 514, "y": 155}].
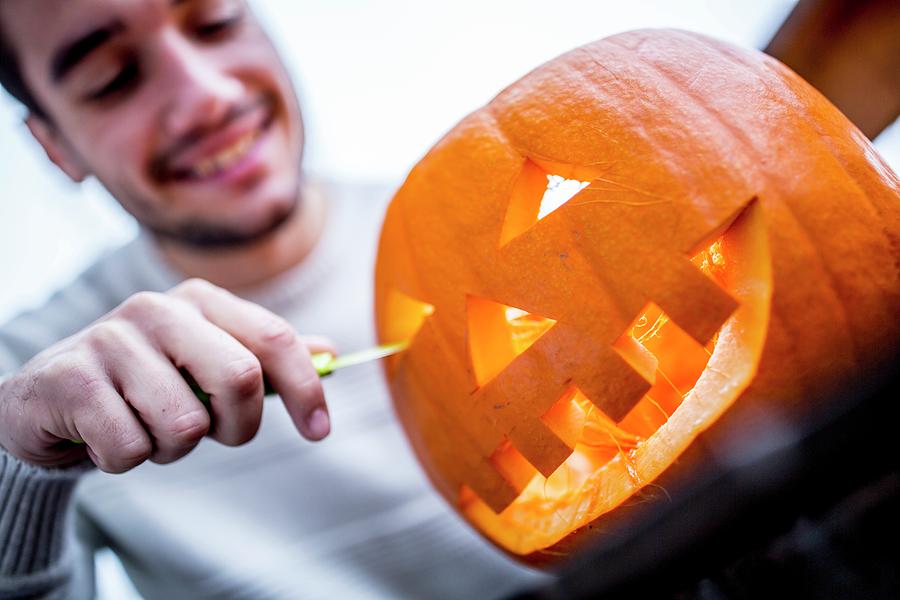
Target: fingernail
[{"x": 317, "y": 423}]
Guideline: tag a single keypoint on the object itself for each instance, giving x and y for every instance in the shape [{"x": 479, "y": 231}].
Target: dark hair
[{"x": 11, "y": 76}]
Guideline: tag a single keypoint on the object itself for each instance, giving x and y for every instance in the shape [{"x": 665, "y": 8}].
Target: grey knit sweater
[{"x": 350, "y": 517}]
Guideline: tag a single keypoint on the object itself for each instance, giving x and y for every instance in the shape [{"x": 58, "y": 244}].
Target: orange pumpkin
[{"x": 635, "y": 242}]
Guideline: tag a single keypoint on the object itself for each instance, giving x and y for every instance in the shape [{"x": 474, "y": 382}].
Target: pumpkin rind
[{"x": 683, "y": 139}]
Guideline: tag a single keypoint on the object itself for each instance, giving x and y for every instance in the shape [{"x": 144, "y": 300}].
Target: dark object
[
  {"x": 788, "y": 512},
  {"x": 205, "y": 398},
  {"x": 850, "y": 51}
]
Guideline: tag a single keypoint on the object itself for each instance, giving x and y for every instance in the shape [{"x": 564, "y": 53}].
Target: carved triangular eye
[
  {"x": 407, "y": 315},
  {"x": 559, "y": 191},
  {"x": 498, "y": 334},
  {"x": 536, "y": 193}
]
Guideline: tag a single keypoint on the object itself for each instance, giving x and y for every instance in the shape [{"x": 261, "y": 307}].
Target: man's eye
[
  {"x": 123, "y": 82},
  {"x": 216, "y": 29}
]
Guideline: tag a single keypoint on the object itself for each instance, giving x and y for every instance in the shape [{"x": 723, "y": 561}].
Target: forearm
[{"x": 36, "y": 537}]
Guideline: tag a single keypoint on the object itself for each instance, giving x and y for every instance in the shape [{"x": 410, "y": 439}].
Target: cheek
[
  {"x": 117, "y": 155},
  {"x": 116, "y": 143},
  {"x": 260, "y": 64}
]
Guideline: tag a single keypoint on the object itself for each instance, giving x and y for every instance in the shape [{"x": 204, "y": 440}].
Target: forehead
[{"x": 35, "y": 28}]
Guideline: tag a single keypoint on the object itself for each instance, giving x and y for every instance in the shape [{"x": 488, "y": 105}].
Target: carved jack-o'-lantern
[{"x": 621, "y": 249}]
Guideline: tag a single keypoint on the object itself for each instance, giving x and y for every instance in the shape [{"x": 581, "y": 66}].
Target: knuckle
[
  {"x": 240, "y": 436},
  {"x": 194, "y": 288},
  {"x": 141, "y": 304},
  {"x": 76, "y": 378},
  {"x": 110, "y": 336},
  {"x": 244, "y": 377},
  {"x": 277, "y": 334},
  {"x": 238, "y": 426},
  {"x": 187, "y": 430},
  {"x": 128, "y": 453}
]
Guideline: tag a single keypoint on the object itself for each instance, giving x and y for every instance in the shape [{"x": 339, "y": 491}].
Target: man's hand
[{"x": 116, "y": 386}]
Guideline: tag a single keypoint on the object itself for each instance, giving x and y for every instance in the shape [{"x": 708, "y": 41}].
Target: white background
[{"x": 380, "y": 82}]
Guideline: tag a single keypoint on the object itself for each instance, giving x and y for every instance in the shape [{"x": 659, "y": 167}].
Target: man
[{"x": 183, "y": 110}]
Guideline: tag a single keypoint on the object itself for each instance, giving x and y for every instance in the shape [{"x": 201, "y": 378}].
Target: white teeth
[{"x": 224, "y": 158}]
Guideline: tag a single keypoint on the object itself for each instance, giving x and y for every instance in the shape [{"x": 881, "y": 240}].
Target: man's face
[{"x": 181, "y": 108}]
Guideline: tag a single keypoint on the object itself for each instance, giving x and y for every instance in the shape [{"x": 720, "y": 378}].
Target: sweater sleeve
[
  {"x": 40, "y": 555},
  {"x": 37, "y": 547}
]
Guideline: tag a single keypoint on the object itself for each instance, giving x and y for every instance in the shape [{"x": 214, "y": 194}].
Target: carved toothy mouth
[{"x": 694, "y": 384}]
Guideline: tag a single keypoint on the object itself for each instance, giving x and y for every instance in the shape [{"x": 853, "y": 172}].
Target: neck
[{"x": 251, "y": 265}]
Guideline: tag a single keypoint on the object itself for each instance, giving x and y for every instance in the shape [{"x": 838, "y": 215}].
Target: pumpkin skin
[{"x": 733, "y": 252}]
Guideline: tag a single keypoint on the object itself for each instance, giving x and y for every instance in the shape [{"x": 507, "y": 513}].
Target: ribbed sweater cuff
[{"x": 34, "y": 508}]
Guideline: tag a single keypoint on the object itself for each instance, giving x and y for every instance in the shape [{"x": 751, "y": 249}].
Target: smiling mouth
[
  {"x": 212, "y": 164},
  {"x": 224, "y": 159}
]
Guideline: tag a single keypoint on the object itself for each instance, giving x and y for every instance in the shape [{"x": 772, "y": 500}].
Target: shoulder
[{"x": 111, "y": 279}]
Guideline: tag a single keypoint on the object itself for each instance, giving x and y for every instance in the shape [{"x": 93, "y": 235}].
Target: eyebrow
[{"x": 70, "y": 54}]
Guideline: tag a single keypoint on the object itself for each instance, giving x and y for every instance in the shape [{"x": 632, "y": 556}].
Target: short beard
[{"x": 203, "y": 235}]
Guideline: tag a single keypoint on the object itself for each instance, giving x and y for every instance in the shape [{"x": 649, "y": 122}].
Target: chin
[{"x": 209, "y": 234}]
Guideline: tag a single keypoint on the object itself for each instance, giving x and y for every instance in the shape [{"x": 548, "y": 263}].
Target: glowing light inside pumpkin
[
  {"x": 559, "y": 191},
  {"x": 527, "y": 208},
  {"x": 679, "y": 362},
  {"x": 498, "y": 334},
  {"x": 410, "y": 314}
]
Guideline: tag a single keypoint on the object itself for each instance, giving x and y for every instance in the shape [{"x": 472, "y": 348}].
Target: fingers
[
  {"x": 114, "y": 438},
  {"x": 63, "y": 395},
  {"x": 317, "y": 343},
  {"x": 153, "y": 389},
  {"x": 116, "y": 385},
  {"x": 175, "y": 419},
  {"x": 225, "y": 369},
  {"x": 282, "y": 354}
]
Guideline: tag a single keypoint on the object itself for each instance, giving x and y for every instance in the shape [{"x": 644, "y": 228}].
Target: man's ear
[{"x": 57, "y": 148}]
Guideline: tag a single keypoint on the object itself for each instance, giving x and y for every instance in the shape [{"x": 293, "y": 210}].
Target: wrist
[{"x": 26, "y": 470}]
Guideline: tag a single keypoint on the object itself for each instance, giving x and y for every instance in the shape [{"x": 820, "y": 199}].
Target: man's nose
[{"x": 201, "y": 89}]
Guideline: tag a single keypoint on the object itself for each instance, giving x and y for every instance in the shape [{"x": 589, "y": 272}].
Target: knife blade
[{"x": 326, "y": 363}]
